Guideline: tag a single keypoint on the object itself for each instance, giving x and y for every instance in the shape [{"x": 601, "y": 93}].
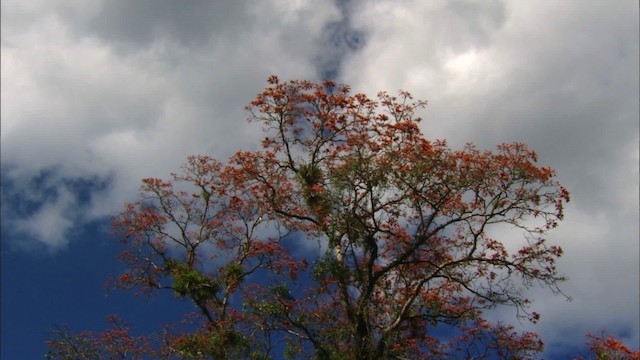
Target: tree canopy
[{"x": 347, "y": 235}]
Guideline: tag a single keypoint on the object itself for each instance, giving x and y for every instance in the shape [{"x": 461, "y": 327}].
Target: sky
[{"x": 98, "y": 94}]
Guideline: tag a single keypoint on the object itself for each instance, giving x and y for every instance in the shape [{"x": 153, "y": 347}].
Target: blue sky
[{"x": 99, "y": 94}]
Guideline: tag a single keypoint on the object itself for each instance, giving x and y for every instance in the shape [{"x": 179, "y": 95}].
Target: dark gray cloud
[
  {"x": 138, "y": 24},
  {"x": 339, "y": 38}
]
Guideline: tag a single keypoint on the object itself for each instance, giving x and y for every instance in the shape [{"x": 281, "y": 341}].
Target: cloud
[
  {"x": 562, "y": 78},
  {"x": 122, "y": 91},
  {"x": 99, "y": 94},
  {"x": 50, "y": 223},
  {"x": 45, "y": 209}
]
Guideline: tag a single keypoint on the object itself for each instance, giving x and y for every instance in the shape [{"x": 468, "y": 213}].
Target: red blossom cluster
[{"x": 607, "y": 347}]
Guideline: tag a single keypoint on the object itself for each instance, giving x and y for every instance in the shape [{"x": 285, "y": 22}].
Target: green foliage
[
  {"x": 190, "y": 282},
  {"x": 328, "y": 267},
  {"x": 311, "y": 179},
  {"x": 69, "y": 347},
  {"x": 268, "y": 308},
  {"x": 309, "y": 175},
  {"x": 292, "y": 349},
  {"x": 281, "y": 291},
  {"x": 219, "y": 344},
  {"x": 233, "y": 273}
]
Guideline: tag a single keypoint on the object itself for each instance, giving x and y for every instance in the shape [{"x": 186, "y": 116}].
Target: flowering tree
[{"x": 348, "y": 235}]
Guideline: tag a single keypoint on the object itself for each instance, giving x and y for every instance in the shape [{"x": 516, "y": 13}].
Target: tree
[{"x": 348, "y": 235}]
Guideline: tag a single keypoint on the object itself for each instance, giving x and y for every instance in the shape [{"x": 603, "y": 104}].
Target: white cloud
[
  {"x": 561, "y": 77},
  {"x": 601, "y": 264},
  {"x": 51, "y": 223},
  {"x": 84, "y": 97}
]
